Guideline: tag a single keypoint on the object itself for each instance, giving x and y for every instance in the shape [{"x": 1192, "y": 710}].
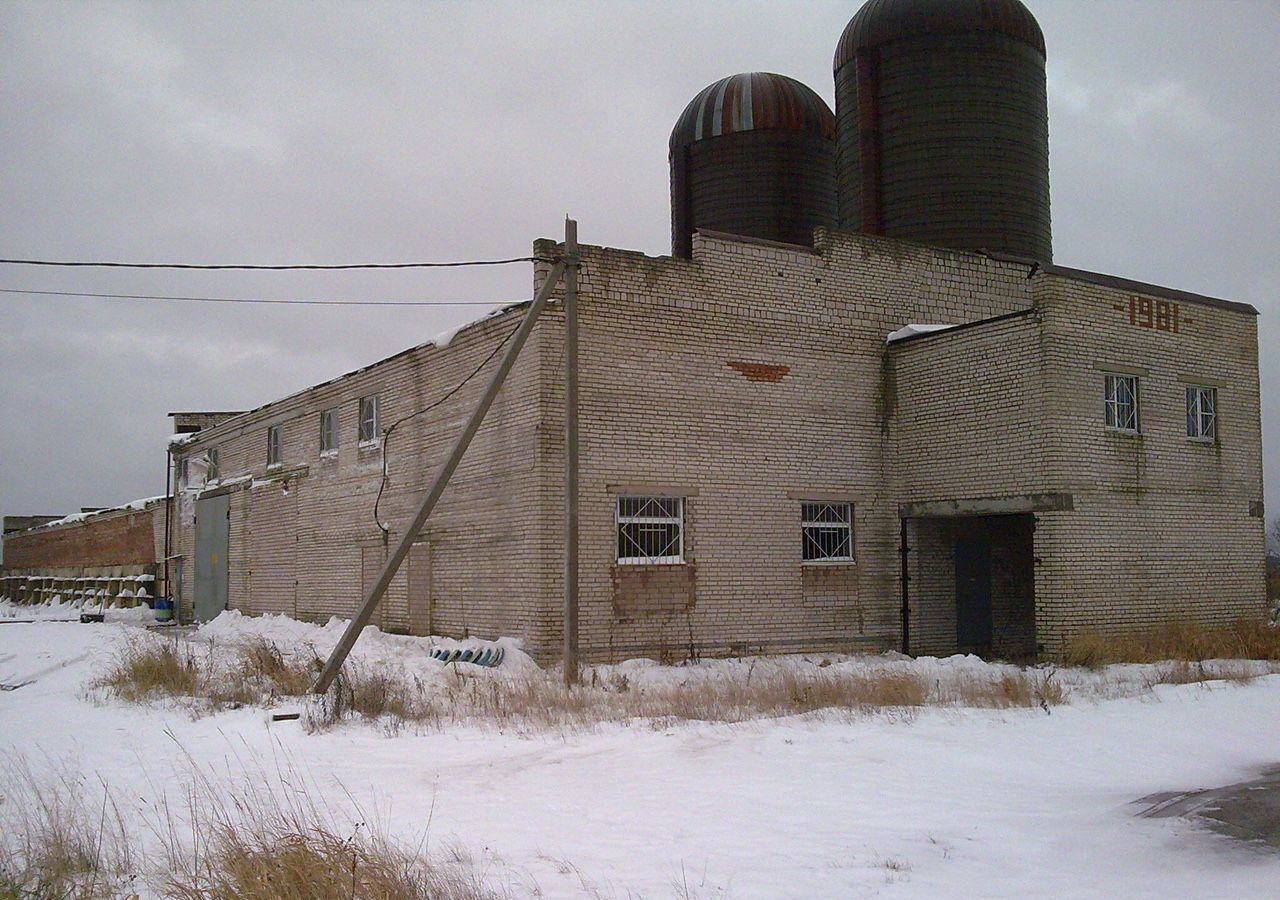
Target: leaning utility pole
[
  {"x": 375, "y": 592},
  {"x": 571, "y": 260}
]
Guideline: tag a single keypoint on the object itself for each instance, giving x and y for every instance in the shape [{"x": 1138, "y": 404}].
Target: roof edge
[{"x": 1144, "y": 287}]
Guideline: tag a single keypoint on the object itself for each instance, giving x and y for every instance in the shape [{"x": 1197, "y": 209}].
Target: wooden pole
[
  {"x": 379, "y": 587},
  {"x": 571, "y": 452}
]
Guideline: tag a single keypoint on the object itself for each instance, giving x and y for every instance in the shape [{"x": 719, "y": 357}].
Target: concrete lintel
[
  {"x": 987, "y": 506},
  {"x": 652, "y": 489}
]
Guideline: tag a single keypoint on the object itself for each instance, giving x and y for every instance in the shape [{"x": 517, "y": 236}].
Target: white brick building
[
  {"x": 748, "y": 387},
  {"x": 761, "y": 468}
]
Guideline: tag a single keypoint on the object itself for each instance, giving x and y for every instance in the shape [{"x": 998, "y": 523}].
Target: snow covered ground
[{"x": 926, "y": 803}]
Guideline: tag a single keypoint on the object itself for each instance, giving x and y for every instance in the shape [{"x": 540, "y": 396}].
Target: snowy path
[{"x": 943, "y": 803}]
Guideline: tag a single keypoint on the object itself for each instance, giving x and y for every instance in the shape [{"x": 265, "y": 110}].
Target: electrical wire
[
  {"x": 386, "y": 434},
  {"x": 279, "y": 268},
  {"x": 185, "y": 299}
]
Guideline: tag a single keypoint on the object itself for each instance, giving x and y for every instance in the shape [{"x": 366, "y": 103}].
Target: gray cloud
[{"x": 344, "y": 132}]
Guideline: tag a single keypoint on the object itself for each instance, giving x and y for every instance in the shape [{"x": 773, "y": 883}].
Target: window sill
[
  {"x": 1202, "y": 441},
  {"x": 371, "y": 444},
  {"x": 658, "y": 561},
  {"x": 1122, "y": 432},
  {"x": 828, "y": 563},
  {"x": 328, "y": 455},
  {"x": 274, "y": 467}
]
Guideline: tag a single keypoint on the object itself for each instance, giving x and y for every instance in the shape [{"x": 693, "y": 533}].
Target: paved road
[{"x": 1248, "y": 811}]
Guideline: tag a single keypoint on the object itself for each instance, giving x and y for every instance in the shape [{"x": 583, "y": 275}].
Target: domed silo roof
[
  {"x": 753, "y": 101},
  {"x": 943, "y": 125},
  {"x": 883, "y": 21},
  {"x": 753, "y": 154}
]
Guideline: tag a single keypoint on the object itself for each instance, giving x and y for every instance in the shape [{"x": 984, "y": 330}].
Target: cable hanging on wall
[{"x": 390, "y": 429}]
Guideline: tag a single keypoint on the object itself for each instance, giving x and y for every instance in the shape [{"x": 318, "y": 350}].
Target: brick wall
[
  {"x": 1158, "y": 525},
  {"x": 126, "y": 538},
  {"x": 746, "y": 380},
  {"x": 303, "y": 538}
]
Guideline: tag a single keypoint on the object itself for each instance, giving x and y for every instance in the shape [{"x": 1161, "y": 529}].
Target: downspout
[
  {"x": 168, "y": 507},
  {"x": 904, "y": 551}
]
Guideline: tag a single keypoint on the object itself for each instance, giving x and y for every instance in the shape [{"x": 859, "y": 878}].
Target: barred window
[
  {"x": 826, "y": 531},
  {"x": 650, "y": 530},
  {"x": 329, "y": 432},
  {"x": 273, "y": 445},
  {"x": 1202, "y": 413},
  {"x": 1121, "y": 402},
  {"x": 369, "y": 418},
  {"x": 211, "y": 472}
]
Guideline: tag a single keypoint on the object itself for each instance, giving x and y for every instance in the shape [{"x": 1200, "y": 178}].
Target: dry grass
[
  {"x": 260, "y": 841},
  {"x": 541, "y": 702},
  {"x": 61, "y": 840},
  {"x": 258, "y": 672},
  {"x": 251, "y": 672},
  {"x": 1178, "y": 641}
]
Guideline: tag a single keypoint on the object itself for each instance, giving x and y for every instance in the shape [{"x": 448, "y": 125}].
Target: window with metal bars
[
  {"x": 650, "y": 530},
  {"x": 1202, "y": 413},
  {"x": 211, "y": 471},
  {"x": 273, "y": 445},
  {"x": 1120, "y": 403},
  {"x": 826, "y": 532}
]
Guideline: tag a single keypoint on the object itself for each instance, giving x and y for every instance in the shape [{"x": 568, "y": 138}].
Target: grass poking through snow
[
  {"x": 64, "y": 838},
  {"x": 1178, "y": 641}
]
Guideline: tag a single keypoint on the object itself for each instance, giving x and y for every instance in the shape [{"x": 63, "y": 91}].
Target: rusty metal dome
[
  {"x": 753, "y": 101},
  {"x": 883, "y": 21}
]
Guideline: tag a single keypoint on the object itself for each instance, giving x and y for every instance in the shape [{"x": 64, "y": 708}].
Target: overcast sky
[{"x": 327, "y": 133}]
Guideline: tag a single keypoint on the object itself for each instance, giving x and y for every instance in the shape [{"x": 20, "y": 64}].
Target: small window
[
  {"x": 273, "y": 445},
  {"x": 1121, "y": 403},
  {"x": 650, "y": 530},
  {"x": 183, "y": 473},
  {"x": 369, "y": 418},
  {"x": 211, "y": 471},
  {"x": 826, "y": 532},
  {"x": 329, "y": 432},
  {"x": 1202, "y": 413}
]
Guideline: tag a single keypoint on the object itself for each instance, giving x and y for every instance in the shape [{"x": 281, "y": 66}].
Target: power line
[
  {"x": 281, "y": 268},
  {"x": 181, "y": 299}
]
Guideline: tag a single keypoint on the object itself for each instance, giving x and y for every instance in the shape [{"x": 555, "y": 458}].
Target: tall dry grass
[
  {"x": 65, "y": 838},
  {"x": 61, "y": 839},
  {"x": 540, "y": 701},
  {"x": 1180, "y": 641},
  {"x": 254, "y": 671},
  {"x": 259, "y": 672}
]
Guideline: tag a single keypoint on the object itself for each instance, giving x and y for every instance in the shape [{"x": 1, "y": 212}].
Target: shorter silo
[{"x": 753, "y": 154}]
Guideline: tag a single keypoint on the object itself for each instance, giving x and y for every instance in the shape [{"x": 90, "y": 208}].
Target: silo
[
  {"x": 943, "y": 125},
  {"x": 753, "y": 154}
]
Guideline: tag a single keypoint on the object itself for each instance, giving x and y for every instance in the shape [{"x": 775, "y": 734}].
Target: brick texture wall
[
  {"x": 303, "y": 537},
  {"x": 1160, "y": 526},
  {"x": 127, "y": 538},
  {"x": 747, "y": 379}
]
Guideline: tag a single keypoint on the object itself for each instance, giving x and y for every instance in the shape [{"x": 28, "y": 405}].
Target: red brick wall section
[{"x": 120, "y": 540}]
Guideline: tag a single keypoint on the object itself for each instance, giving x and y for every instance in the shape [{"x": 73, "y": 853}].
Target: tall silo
[
  {"x": 753, "y": 154},
  {"x": 943, "y": 125}
]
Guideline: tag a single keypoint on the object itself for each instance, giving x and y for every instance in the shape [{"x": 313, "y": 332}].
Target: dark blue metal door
[{"x": 973, "y": 595}]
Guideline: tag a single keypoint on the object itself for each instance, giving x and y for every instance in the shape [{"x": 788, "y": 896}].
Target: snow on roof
[
  {"x": 142, "y": 503},
  {"x": 440, "y": 342},
  {"x": 913, "y": 330}
]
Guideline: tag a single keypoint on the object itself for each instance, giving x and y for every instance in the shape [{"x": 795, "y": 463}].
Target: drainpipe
[
  {"x": 904, "y": 551},
  {"x": 168, "y": 507}
]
